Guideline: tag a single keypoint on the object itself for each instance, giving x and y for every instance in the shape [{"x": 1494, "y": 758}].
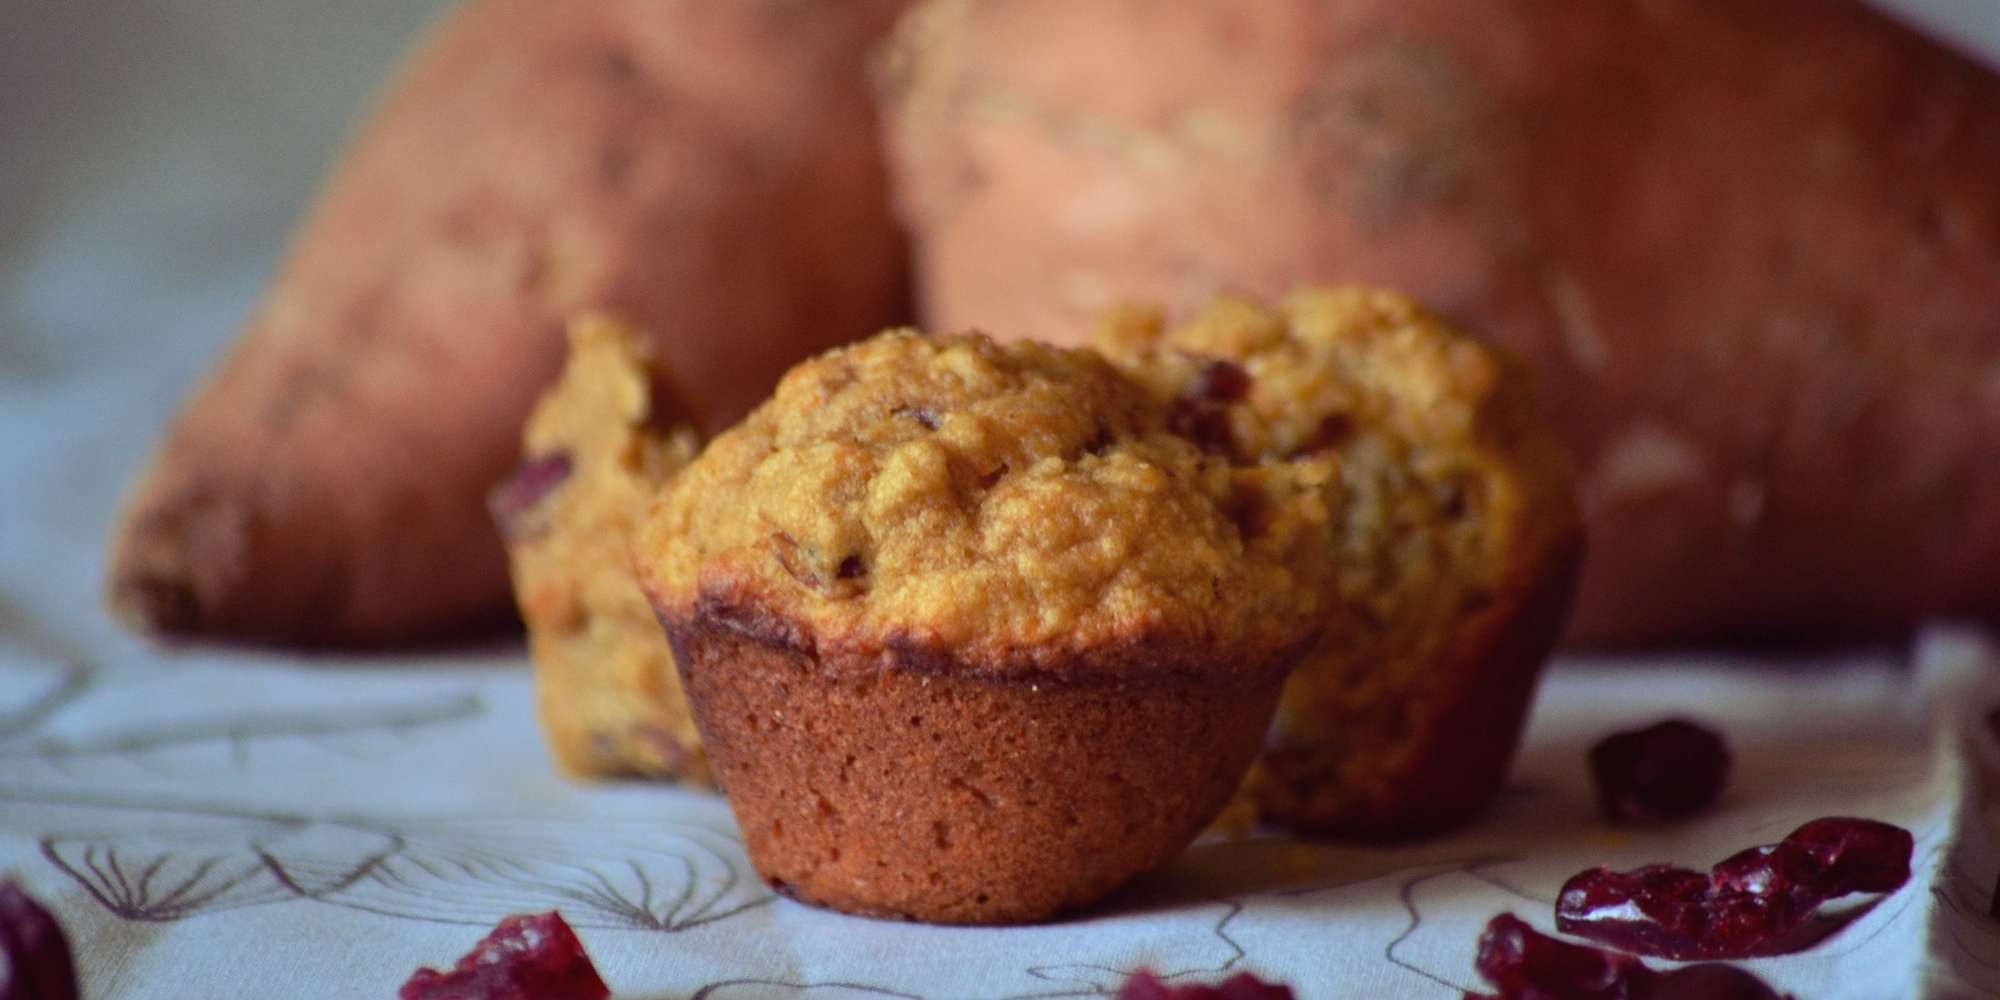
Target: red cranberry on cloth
[
  {"x": 527, "y": 957},
  {"x": 1760, "y": 901},
  {"x": 1143, "y": 985},
  {"x": 1524, "y": 964},
  {"x": 1667, "y": 771}
]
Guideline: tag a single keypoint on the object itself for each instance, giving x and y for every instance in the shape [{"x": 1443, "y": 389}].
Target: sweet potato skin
[
  {"x": 707, "y": 168},
  {"x": 1752, "y": 250}
]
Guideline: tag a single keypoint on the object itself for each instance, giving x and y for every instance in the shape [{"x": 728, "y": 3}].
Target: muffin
[
  {"x": 600, "y": 444},
  {"x": 970, "y": 635},
  {"x": 1451, "y": 547}
]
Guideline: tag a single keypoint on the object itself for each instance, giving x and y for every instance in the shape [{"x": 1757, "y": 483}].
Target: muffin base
[
  {"x": 904, "y": 785},
  {"x": 1462, "y": 745}
]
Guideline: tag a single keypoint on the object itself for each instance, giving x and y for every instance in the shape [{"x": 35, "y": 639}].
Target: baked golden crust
[
  {"x": 1015, "y": 506},
  {"x": 902, "y": 783},
  {"x": 609, "y": 699},
  {"x": 1452, "y": 542}
]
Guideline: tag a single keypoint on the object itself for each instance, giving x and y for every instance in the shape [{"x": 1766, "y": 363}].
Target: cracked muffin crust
[
  {"x": 1005, "y": 502},
  {"x": 1451, "y": 544},
  {"x": 599, "y": 444},
  {"x": 971, "y": 635}
]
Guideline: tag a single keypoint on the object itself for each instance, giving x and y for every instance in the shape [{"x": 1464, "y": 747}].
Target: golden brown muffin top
[
  {"x": 1434, "y": 432},
  {"x": 1308, "y": 374},
  {"x": 1008, "y": 504}
]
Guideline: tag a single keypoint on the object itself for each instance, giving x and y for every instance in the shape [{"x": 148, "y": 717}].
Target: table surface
[{"x": 226, "y": 824}]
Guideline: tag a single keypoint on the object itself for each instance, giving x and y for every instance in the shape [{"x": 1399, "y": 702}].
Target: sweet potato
[
  {"x": 1752, "y": 249},
  {"x": 706, "y": 168}
]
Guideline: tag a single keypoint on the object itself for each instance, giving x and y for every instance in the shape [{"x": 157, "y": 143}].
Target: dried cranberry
[
  {"x": 1143, "y": 985},
  {"x": 1770, "y": 870},
  {"x": 1760, "y": 901},
  {"x": 1524, "y": 964},
  {"x": 1708, "y": 981},
  {"x": 533, "y": 480},
  {"x": 1674, "y": 912},
  {"x": 1856, "y": 855},
  {"x": 1333, "y": 431},
  {"x": 1663, "y": 772},
  {"x": 1206, "y": 425},
  {"x": 1222, "y": 381},
  {"x": 527, "y": 957},
  {"x": 35, "y": 962},
  {"x": 1201, "y": 414}
]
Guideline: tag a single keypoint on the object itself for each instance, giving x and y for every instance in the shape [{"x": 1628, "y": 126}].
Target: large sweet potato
[
  {"x": 707, "y": 168},
  {"x": 1753, "y": 249}
]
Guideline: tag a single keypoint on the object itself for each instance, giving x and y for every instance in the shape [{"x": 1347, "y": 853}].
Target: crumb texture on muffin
[
  {"x": 605, "y": 684},
  {"x": 1010, "y": 505}
]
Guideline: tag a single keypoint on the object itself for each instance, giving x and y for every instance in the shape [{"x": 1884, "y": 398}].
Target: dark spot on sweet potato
[
  {"x": 617, "y": 66},
  {"x": 614, "y": 165}
]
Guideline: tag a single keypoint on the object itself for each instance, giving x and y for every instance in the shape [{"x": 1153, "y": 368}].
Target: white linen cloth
[{"x": 213, "y": 825}]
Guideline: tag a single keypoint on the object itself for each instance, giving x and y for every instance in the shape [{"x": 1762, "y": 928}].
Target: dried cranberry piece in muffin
[
  {"x": 512, "y": 502},
  {"x": 1201, "y": 412},
  {"x": 1663, "y": 772},
  {"x": 527, "y": 957},
  {"x": 35, "y": 962}
]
